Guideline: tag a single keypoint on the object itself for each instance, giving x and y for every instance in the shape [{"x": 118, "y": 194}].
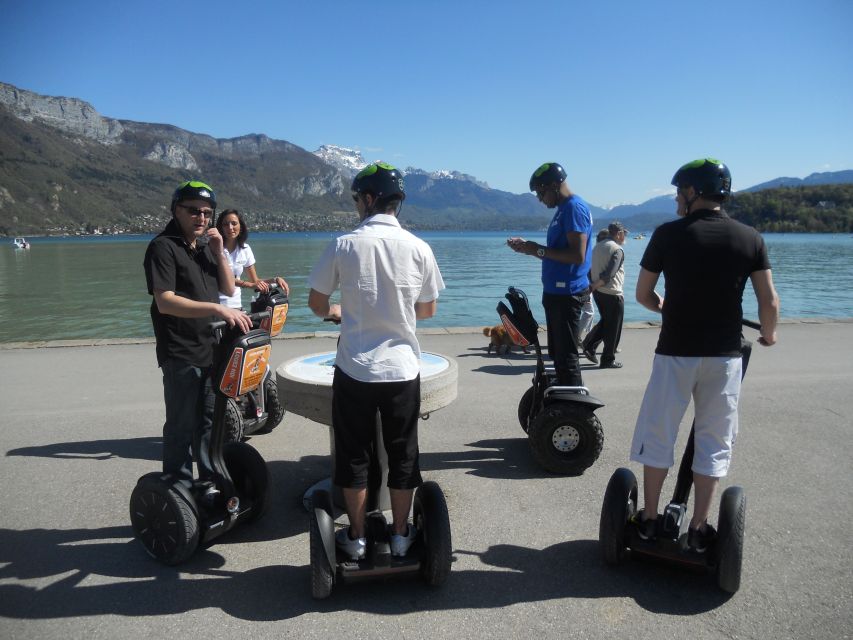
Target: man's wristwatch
[{"x": 540, "y": 252}]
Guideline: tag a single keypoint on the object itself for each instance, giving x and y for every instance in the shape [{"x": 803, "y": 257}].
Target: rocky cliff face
[
  {"x": 171, "y": 146},
  {"x": 66, "y": 114},
  {"x": 64, "y": 168}
]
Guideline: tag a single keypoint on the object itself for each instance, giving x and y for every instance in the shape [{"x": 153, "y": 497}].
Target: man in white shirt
[{"x": 388, "y": 279}]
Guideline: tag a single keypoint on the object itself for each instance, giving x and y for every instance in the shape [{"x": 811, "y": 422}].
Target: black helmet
[
  {"x": 708, "y": 176},
  {"x": 546, "y": 174},
  {"x": 193, "y": 190},
  {"x": 381, "y": 180}
]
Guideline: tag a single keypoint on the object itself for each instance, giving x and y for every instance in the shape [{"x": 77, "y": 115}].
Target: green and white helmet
[
  {"x": 381, "y": 180},
  {"x": 708, "y": 176},
  {"x": 193, "y": 190},
  {"x": 546, "y": 174}
]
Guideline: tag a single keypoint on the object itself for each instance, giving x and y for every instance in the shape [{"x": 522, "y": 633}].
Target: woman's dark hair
[{"x": 244, "y": 230}]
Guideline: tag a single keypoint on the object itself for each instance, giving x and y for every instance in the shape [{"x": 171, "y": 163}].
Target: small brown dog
[{"x": 500, "y": 340}]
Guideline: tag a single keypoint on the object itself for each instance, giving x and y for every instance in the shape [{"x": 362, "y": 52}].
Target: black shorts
[{"x": 354, "y": 407}]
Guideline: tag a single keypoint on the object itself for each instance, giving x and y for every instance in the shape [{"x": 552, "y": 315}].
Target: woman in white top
[{"x": 234, "y": 232}]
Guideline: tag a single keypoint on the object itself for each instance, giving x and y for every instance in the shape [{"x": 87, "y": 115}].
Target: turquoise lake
[{"x": 94, "y": 287}]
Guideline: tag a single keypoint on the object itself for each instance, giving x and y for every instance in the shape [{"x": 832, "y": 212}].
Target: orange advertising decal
[
  {"x": 275, "y": 323},
  {"x": 254, "y": 366},
  {"x": 245, "y": 370},
  {"x": 231, "y": 378}
]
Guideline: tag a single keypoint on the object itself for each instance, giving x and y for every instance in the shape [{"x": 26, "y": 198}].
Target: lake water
[{"x": 94, "y": 287}]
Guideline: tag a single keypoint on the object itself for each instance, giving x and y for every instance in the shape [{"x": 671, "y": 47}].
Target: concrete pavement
[{"x": 81, "y": 423}]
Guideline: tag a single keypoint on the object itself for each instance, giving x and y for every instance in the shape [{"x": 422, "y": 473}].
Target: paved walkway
[{"x": 80, "y": 424}]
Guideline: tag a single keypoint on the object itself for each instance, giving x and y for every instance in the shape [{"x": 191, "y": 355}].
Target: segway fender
[
  {"x": 591, "y": 402},
  {"x": 178, "y": 485},
  {"x": 323, "y": 511}
]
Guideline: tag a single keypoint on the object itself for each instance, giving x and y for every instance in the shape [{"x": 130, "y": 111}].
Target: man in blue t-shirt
[{"x": 566, "y": 261}]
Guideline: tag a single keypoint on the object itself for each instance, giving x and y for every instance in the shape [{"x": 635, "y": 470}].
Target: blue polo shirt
[{"x": 557, "y": 277}]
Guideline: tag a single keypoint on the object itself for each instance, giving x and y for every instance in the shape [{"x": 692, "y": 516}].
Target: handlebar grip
[
  {"x": 751, "y": 324},
  {"x": 254, "y": 317}
]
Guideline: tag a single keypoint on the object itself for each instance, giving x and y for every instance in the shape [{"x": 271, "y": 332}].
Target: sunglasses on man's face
[{"x": 195, "y": 211}]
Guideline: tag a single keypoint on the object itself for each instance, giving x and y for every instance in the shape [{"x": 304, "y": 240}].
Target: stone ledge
[{"x": 305, "y": 335}]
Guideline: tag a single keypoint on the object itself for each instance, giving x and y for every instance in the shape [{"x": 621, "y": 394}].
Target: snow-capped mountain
[{"x": 348, "y": 161}]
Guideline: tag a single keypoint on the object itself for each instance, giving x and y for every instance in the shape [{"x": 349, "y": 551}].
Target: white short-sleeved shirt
[
  {"x": 382, "y": 270},
  {"x": 239, "y": 259}
]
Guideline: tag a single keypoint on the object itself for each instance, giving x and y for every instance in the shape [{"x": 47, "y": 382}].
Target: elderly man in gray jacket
[{"x": 607, "y": 279}]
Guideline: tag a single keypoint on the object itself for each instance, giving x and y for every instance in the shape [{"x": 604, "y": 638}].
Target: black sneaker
[
  {"x": 700, "y": 539},
  {"x": 589, "y": 354},
  {"x": 646, "y": 529}
]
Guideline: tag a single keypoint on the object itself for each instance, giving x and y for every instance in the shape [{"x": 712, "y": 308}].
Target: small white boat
[{"x": 21, "y": 243}]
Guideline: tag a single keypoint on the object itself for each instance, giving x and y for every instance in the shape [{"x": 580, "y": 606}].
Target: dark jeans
[
  {"x": 611, "y": 308},
  {"x": 562, "y": 315},
  {"x": 189, "y": 397}
]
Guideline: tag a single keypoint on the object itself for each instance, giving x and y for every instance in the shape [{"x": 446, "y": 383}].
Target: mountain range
[{"x": 66, "y": 169}]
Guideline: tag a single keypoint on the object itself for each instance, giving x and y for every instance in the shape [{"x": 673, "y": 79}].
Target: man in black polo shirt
[
  {"x": 706, "y": 258},
  {"x": 185, "y": 270}
]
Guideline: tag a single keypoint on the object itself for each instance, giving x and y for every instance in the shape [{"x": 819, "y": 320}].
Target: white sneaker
[
  {"x": 400, "y": 544},
  {"x": 355, "y": 549}
]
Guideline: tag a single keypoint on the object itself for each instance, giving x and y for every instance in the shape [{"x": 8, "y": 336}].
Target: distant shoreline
[{"x": 306, "y": 335}]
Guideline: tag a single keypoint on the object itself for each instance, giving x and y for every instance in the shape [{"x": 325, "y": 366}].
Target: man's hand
[
  {"x": 520, "y": 245},
  {"x": 214, "y": 239},
  {"x": 235, "y": 317},
  {"x": 334, "y": 314},
  {"x": 767, "y": 341}
]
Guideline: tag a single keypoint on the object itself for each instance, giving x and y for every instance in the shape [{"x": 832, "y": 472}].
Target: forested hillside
[{"x": 817, "y": 209}]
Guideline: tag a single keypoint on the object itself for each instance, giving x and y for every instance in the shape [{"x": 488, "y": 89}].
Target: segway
[
  {"x": 564, "y": 434},
  {"x": 430, "y": 555},
  {"x": 618, "y": 532},
  {"x": 172, "y": 517},
  {"x": 260, "y": 410}
]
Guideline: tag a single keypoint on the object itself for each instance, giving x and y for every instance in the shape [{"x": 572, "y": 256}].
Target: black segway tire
[
  {"x": 233, "y": 421},
  {"x": 250, "y": 475},
  {"x": 322, "y": 573},
  {"x": 730, "y": 532},
  {"x": 433, "y": 523},
  {"x": 163, "y": 521},
  {"x": 524, "y": 407},
  {"x": 272, "y": 403},
  {"x": 565, "y": 438},
  {"x": 619, "y": 505}
]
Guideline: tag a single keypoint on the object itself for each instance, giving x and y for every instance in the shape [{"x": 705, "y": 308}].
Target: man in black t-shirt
[
  {"x": 706, "y": 258},
  {"x": 185, "y": 270}
]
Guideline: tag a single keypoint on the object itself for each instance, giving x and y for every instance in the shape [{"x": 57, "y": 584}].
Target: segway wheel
[
  {"x": 565, "y": 438},
  {"x": 275, "y": 410},
  {"x": 730, "y": 532},
  {"x": 233, "y": 421},
  {"x": 524, "y": 407},
  {"x": 620, "y": 504},
  {"x": 433, "y": 522},
  {"x": 322, "y": 574},
  {"x": 163, "y": 521},
  {"x": 250, "y": 475}
]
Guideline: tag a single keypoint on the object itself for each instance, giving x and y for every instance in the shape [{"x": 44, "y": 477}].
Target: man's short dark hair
[{"x": 615, "y": 227}]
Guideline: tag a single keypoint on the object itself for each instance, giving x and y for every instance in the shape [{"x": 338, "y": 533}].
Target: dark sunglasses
[{"x": 195, "y": 211}]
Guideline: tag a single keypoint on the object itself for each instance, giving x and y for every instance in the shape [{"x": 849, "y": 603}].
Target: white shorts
[{"x": 714, "y": 384}]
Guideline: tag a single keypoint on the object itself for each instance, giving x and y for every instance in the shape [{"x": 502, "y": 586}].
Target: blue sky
[{"x": 620, "y": 92}]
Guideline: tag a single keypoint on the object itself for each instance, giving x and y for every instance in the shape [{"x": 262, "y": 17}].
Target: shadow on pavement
[
  {"x": 80, "y": 559},
  {"x": 502, "y": 458}
]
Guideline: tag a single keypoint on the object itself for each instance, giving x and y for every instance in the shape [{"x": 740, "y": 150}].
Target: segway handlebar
[
  {"x": 751, "y": 324},
  {"x": 254, "y": 317}
]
